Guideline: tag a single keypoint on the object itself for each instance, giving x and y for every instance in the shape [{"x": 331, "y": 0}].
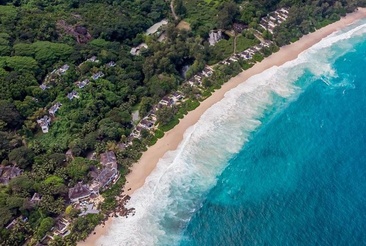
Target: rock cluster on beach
[{"x": 121, "y": 209}]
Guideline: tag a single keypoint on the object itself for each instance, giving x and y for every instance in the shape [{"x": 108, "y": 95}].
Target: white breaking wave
[{"x": 175, "y": 189}]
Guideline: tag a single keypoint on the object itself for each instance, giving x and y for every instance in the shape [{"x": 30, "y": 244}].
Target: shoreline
[{"x": 171, "y": 140}]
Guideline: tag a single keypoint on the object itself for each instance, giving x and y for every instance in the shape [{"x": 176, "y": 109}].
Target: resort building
[
  {"x": 12, "y": 224},
  {"x": 45, "y": 240},
  {"x": 36, "y": 198},
  {"x": 108, "y": 159},
  {"x": 214, "y": 37},
  {"x": 105, "y": 176},
  {"x": 54, "y": 108},
  {"x": 155, "y": 28},
  {"x": 79, "y": 192},
  {"x": 88, "y": 208},
  {"x": 63, "y": 69},
  {"x": 166, "y": 101},
  {"x": 15, "y": 221},
  {"x": 137, "y": 50},
  {"x": 44, "y": 86},
  {"x": 207, "y": 72},
  {"x": 72, "y": 95},
  {"x": 146, "y": 124},
  {"x": 176, "y": 97},
  {"x": 61, "y": 228},
  {"x": 97, "y": 75},
  {"x": 82, "y": 84},
  {"x": 274, "y": 19},
  {"x": 111, "y": 64},
  {"x": 8, "y": 172},
  {"x": 44, "y": 123},
  {"x": 93, "y": 59}
]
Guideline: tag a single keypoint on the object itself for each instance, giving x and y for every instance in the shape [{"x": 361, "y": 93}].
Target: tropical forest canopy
[{"x": 38, "y": 37}]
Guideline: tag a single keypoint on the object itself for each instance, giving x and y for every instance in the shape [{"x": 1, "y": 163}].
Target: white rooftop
[{"x": 154, "y": 28}]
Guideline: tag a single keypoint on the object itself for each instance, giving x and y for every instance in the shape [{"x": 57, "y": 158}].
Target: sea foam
[{"x": 177, "y": 186}]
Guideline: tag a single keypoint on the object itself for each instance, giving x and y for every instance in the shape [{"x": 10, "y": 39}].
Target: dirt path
[
  {"x": 172, "y": 9},
  {"x": 235, "y": 44}
]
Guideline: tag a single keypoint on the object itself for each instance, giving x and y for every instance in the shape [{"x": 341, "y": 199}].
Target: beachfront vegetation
[{"x": 38, "y": 37}]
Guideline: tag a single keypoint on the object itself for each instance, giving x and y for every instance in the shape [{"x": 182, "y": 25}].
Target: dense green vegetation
[
  {"x": 243, "y": 43},
  {"x": 38, "y": 36}
]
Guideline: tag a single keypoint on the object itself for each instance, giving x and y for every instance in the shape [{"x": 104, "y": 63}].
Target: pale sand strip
[{"x": 171, "y": 139}]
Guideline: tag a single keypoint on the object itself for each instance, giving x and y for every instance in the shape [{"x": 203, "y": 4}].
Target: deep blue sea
[{"x": 280, "y": 161}]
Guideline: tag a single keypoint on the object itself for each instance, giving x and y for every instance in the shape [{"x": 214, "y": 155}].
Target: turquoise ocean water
[{"x": 281, "y": 160}]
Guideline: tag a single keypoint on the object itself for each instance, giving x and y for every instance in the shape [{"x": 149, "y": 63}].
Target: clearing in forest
[{"x": 184, "y": 25}]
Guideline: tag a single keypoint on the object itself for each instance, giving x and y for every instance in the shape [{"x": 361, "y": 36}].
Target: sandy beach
[{"x": 170, "y": 141}]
